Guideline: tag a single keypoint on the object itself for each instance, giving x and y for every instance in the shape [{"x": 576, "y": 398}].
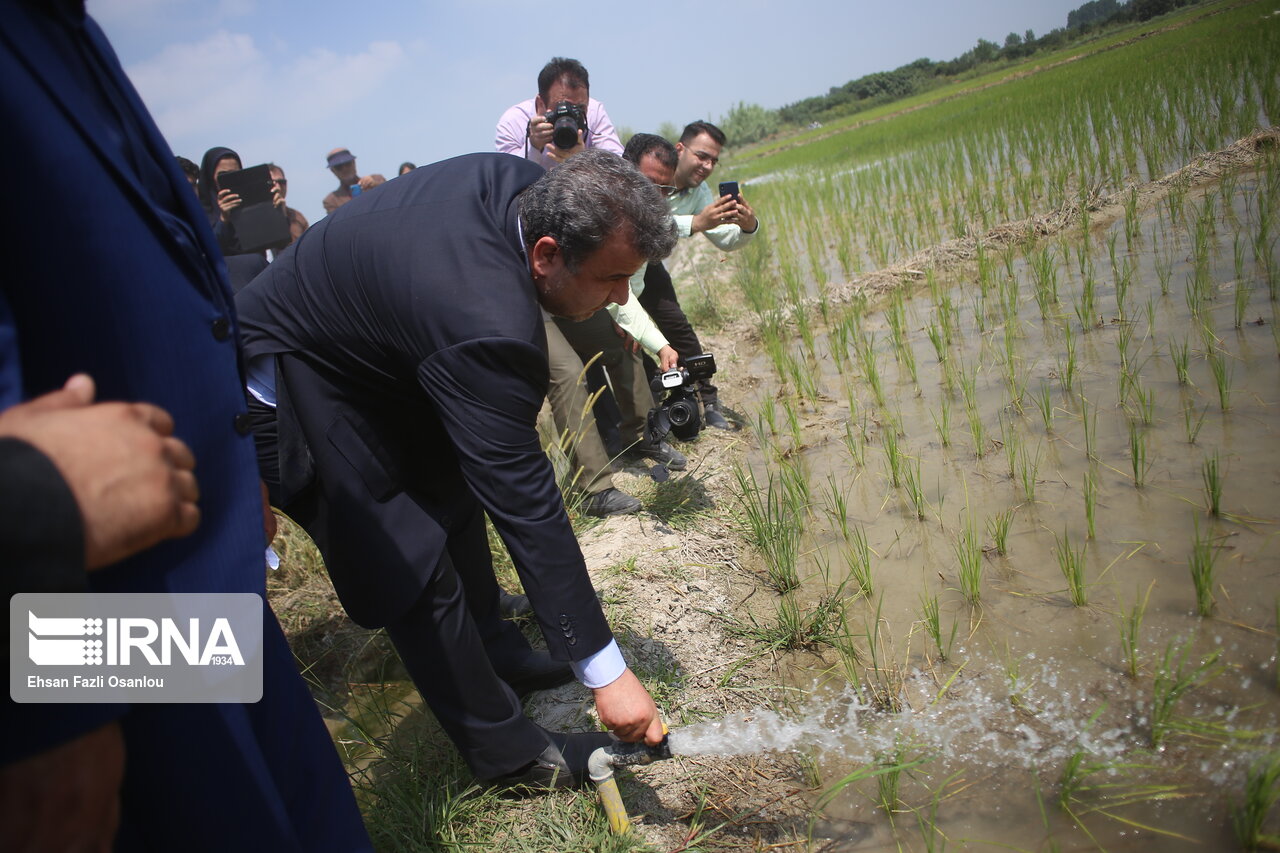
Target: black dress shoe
[
  {"x": 512, "y": 606},
  {"x": 659, "y": 452},
  {"x": 610, "y": 502},
  {"x": 535, "y": 671},
  {"x": 711, "y": 414},
  {"x": 562, "y": 764}
]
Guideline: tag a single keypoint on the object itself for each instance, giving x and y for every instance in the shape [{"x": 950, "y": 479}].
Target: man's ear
[
  {"x": 542, "y": 256},
  {"x": 679, "y": 148},
  {"x": 539, "y": 106}
]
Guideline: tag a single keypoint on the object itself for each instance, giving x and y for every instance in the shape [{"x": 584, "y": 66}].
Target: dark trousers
[
  {"x": 659, "y": 299},
  {"x": 439, "y": 604}
]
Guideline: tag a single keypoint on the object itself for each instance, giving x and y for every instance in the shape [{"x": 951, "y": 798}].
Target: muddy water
[{"x": 1031, "y": 678}]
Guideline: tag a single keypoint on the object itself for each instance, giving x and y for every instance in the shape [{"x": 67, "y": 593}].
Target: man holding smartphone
[{"x": 727, "y": 221}]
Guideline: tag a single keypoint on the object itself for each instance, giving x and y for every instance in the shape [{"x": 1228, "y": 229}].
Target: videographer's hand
[
  {"x": 745, "y": 216},
  {"x": 67, "y": 798},
  {"x": 227, "y": 202},
  {"x": 720, "y": 211},
  {"x": 627, "y": 710},
  {"x": 667, "y": 358},
  {"x": 131, "y": 478},
  {"x": 629, "y": 343},
  {"x": 368, "y": 182},
  {"x": 276, "y": 198}
]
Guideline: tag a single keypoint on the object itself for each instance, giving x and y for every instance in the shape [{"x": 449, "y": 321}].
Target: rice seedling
[
  {"x": 1009, "y": 441},
  {"x": 1164, "y": 271},
  {"x": 1244, "y": 289},
  {"x": 1091, "y": 500},
  {"x": 1180, "y": 353},
  {"x": 1210, "y": 472},
  {"x": 1086, "y": 304},
  {"x": 837, "y": 505},
  {"x": 976, "y": 430},
  {"x": 968, "y": 550},
  {"x": 1067, "y": 369},
  {"x": 792, "y": 628},
  {"x": 1028, "y": 472},
  {"x": 892, "y": 453},
  {"x": 1173, "y": 679},
  {"x": 1222, "y": 374},
  {"x": 1202, "y": 562},
  {"x": 870, "y": 368},
  {"x": 858, "y": 558},
  {"x": 1089, "y": 417},
  {"x": 1119, "y": 784},
  {"x": 939, "y": 345},
  {"x": 933, "y": 624},
  {"x": 855, "y": 444},
  {"x": 1193, "y": 421},
  {"x": 1138, "y": 454},
  {"x": 942, "y": 421},
  {"x": 887, "y": 783},
  {"x": 1261, "y": 793},
  {"x": 1130, "y": 628},
  {"x": 1144, "y": 399},
  {"x": 885, "y": 679},
  {"x": 998, "y": 526},
  {"x": 1044, "y": 403},
  {"x": 914, "y": 486},
  {"x": 1071, "y": 562},
  {"x": 774, "y": 526}
]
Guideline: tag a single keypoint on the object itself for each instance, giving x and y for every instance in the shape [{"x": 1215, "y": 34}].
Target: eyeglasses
[
  {"x": 666, "y": 189},
  {"x": 280, "y": 182}
]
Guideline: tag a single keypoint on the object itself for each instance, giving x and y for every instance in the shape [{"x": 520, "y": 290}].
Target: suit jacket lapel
[{"x": 27, "y": 43}]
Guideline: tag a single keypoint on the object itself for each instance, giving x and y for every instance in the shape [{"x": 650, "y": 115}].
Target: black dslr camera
[
  {"x": 567, "y": 118},
  {"x": 677, "y": 412}
]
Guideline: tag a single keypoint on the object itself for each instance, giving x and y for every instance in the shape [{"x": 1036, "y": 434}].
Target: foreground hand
[
  {"x": 720, "y": 211},
  {"x": 368, "y": 182},
  {"x": 67, "y": 798},
  {"x": 131, "y": 478},
  {"x": 667, "y": 358},
  {"x": 626, "y": 708}
]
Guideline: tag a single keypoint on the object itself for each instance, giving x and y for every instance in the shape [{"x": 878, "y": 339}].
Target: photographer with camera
[
  {"x": 561, "y": 121},
  {"x": 528, "y": 130},
  {"x": 726, "y": 220}
]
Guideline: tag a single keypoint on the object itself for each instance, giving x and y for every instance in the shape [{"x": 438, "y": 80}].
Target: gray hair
[{"x": 588, "y": 198}]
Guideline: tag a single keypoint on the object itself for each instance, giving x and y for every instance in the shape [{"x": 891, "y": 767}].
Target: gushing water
[{"x": 976, "y": 723}]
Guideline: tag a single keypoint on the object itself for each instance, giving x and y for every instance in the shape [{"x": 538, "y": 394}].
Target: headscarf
[{"x": 209, "y": 186}]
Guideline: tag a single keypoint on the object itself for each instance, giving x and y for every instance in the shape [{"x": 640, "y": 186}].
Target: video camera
[
  {"x": 677, "y": 412},
  {"x": 567, "y": 118}
]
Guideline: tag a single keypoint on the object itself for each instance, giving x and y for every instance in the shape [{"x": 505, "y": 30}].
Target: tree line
[{"x": 746, "y": 123}]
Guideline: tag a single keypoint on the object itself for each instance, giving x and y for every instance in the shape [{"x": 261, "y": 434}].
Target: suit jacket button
[
  {"x": 221, "y": 329},
  {"x": 243, "y": 423}
]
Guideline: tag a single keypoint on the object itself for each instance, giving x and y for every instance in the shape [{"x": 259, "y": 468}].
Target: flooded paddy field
[
  {"x": 1005, "y": 497},
  {"x": 1016, "y": 496}
]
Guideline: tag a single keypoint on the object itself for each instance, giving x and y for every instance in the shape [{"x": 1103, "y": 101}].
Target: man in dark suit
[
  {"x": 119, "y": 276},
  {"x": 402, "y": 341}
]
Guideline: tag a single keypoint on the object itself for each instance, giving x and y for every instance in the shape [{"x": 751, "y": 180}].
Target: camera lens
[
  {"x": 682, "y": 412},
  {"x": 565, "y": 133}
]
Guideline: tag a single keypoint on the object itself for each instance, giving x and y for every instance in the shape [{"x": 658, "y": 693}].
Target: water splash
[{"x": 977, "y": 723}]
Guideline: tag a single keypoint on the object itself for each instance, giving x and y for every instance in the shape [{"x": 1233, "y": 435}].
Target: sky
[{"x": 423, "y": 80}]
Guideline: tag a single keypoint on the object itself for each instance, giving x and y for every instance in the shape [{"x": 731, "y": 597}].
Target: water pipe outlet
[{"x": 600, "y": 767}]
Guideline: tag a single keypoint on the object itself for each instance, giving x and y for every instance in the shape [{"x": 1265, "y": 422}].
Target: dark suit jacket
[
  {"x": 118, "y": 275},
  {"x": 417, "y": 301}
]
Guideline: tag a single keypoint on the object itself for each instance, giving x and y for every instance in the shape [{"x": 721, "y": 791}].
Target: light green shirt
[{"x": 685, "y": 204}]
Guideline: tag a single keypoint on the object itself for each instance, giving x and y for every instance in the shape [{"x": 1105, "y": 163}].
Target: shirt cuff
[{"x": 601, "y": 669}]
